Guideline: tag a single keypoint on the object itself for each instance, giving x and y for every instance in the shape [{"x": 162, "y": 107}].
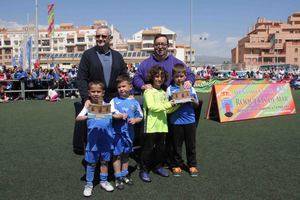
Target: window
[
  {"x": 70, "y": 41},
  {"x": 7, "y": 42},
  {"x": 80, "y": 48},
  {"x": 296, "y": 50},
  {"x": 295, "y": 59},
  {"x": 7, "y": 51},
  {"x": 80, "y": 39}
]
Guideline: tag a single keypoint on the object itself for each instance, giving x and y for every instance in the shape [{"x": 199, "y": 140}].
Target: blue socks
[
  {"x": 90, "y": 171},
  {"x": 118, "y": 175},
  {"x": 124, "y": 172},
  {"x": 103, "y": 177}
]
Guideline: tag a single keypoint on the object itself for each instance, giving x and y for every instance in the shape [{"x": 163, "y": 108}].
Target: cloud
[
  {"x": 10, "y": 24},
  {"x": 204, "y": 44},
  {"x": 232, "y": 41}
]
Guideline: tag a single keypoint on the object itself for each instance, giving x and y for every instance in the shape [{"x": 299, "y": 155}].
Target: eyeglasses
[
  {"x": 102, "y": 36},
  {"x": 161, "y": 44}
]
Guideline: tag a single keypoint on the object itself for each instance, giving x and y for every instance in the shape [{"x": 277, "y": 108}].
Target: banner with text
[{"x": 247, "y": 101}]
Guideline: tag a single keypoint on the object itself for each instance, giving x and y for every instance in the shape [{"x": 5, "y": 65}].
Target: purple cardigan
[{"x": 140, "y": 76}]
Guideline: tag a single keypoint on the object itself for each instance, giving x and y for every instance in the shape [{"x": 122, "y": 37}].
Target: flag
[
  {"x": 50, "y": 19},
  {"x": 13, "y": 61},
  {"x": 28, "y": 51},
  {"x": 21, "y": 56}
]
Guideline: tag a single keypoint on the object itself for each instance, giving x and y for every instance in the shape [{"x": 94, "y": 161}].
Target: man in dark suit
[{"x": 99, "y": 63}]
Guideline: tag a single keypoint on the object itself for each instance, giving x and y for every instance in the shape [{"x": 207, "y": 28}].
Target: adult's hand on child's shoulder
[{"x": 146, "y": 86}]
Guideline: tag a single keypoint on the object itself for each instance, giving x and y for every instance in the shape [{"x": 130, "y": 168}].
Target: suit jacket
[{"x": 91, "y": 69}]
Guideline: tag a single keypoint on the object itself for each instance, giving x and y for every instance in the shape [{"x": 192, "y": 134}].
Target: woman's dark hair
[{"x": 156, "y": 69}]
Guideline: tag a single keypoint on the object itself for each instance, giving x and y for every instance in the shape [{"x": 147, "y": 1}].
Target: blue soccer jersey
[
  {"x": 124, "y": 131},
  {"x": 185, "y": 114}
]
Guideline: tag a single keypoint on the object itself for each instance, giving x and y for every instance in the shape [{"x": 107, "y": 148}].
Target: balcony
[
  {"x": 293, "y": 36},
  {"x": 266, "y": 45},
  {"x": 272, "y": 55},
  {"x": 147, "y": 49},
  {"x": 69, "y": 44},
  {"x": 251, "y": 56}
]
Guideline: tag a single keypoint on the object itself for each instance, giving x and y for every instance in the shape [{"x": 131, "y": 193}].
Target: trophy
[
  {"x": 182, "y": 96},
  {"x": 99, "y": 110}
]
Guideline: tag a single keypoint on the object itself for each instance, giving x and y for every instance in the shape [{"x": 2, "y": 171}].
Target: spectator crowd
[{"x": 62, "y": 78}]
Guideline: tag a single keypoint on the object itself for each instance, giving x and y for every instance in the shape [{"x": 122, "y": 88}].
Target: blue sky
[{"x": 222, "y": 22}]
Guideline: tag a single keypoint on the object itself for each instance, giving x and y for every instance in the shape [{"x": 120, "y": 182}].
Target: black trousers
[
  {"x": 153, "y": 151},
  {"x": 80, "y": 132},
  {"x": 184, "y": 133}
]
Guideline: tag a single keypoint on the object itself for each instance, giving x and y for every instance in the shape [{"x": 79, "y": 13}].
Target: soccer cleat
[
  {"x": 176, "y": 171},
  {"x": 119, "y": 184},
  {"x": 127, "y": 180},
  {"x": 106, "y": 186},
  {"x": 88, "y": 189},
  {"x": 145, "y": 176},
  {"x": 162, "y": 171},
  {"x": 193, "y": 171}
]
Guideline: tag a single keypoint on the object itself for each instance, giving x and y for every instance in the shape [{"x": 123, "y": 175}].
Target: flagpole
[
  {"x": 190, "y": 33},
  {"x": 36, "y": 53},
  {"x": 25, "y": 63}
]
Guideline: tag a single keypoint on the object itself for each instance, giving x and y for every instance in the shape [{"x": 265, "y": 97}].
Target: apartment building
[
  {"x": 141, "y": 45},
  {"x": 269, "y": 43},
  {"x": 184, "y": 53},
  {"x": 66, "y": 45}
]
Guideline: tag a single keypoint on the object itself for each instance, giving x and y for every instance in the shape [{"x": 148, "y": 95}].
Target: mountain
[{"x": 212, "y": 60}]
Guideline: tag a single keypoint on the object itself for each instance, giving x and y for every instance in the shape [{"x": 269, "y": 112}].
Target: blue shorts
[
  {"x": 122, "y": 144},
  {"x": 95, "y": 156}
]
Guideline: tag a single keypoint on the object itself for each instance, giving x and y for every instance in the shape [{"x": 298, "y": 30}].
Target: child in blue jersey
[
  {"x": 182, "y": 125},
  {"x": 99, "y": 140},
  {"x": 126, "y": 112}
]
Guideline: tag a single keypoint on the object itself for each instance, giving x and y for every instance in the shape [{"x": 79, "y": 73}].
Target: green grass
[{"x": 253, "y": 159}]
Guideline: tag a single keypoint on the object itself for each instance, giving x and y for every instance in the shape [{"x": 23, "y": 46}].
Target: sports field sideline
[{"x": 253, "y": 159}]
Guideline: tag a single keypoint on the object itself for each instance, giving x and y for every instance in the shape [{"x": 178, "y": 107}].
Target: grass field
[{"x": 254, "y": 159}]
